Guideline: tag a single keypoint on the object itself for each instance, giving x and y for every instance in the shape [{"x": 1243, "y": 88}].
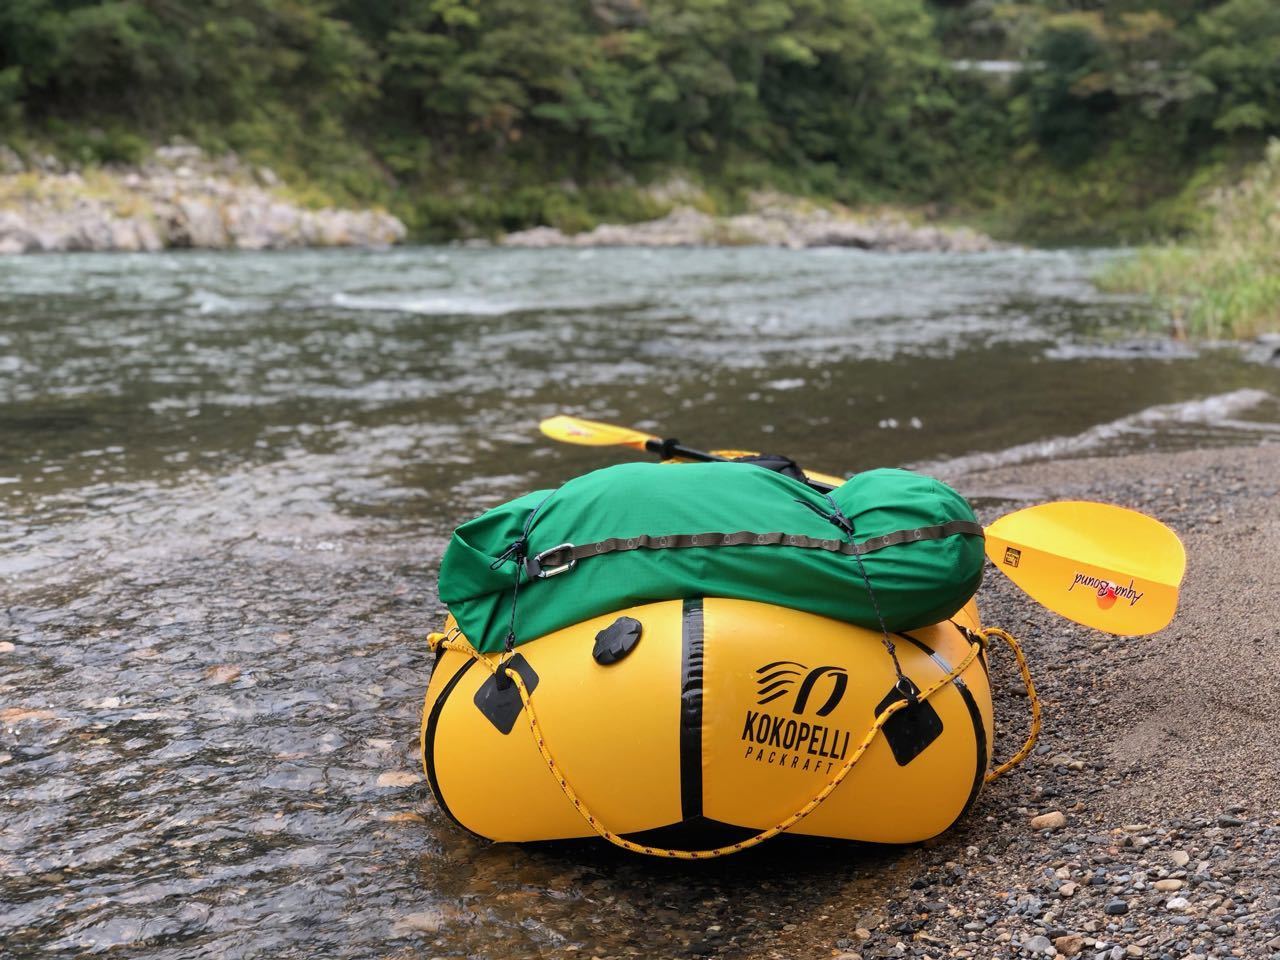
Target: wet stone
[
  {"x": 423, "y": 921},
  {"x": 1069, "y": 945},
  {"x": 223, "y": 673},
  {"x": 1054, "y": 820}
]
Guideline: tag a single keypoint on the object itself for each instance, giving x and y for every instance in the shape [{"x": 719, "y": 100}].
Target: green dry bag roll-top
[{"x": 639, "y": 533}]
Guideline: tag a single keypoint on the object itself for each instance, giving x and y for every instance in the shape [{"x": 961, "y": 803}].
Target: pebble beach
[{"x": 1147, "y": 822}]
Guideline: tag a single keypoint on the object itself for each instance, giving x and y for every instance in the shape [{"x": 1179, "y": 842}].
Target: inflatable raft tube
[{"x": 708, "y": 720}]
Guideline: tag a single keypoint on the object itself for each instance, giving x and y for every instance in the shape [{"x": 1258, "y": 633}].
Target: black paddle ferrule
[{"x": 666, "y": 449}]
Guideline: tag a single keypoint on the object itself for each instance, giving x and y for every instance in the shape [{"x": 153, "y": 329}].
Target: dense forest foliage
[{"x": 470, "y": 115}]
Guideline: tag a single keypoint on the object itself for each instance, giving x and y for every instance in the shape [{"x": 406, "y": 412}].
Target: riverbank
[
  {"x": 181, "y": 197},
  {"x": 772, "y": 220},
  {"x": 178, "y": 198},
  {"x": 1159, "y": 752}
]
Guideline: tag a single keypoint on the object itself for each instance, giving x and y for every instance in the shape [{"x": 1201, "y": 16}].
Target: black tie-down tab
[
  {"x": 775, "y": 462},
  {"x": 499, "y": 699},
  {"x": 911, "y": 729},
  {"x": 617, "y": 640}
]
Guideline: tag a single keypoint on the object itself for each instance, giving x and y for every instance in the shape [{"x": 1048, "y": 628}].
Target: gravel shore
[{"x": 1161, "y": 753}]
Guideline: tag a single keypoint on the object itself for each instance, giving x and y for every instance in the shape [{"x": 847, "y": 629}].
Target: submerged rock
[{"x": 1265, "y": 348}]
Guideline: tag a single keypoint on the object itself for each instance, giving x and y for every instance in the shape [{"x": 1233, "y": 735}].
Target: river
[{"x": 226, "y": 481}]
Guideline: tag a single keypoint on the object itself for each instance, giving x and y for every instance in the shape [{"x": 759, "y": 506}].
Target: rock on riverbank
[
  {"x": 772, "y": 221},
  {"x": 178, "y": 198}
]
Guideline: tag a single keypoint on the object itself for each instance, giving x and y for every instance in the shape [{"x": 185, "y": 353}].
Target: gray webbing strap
[{"x": 564, "y": 557}]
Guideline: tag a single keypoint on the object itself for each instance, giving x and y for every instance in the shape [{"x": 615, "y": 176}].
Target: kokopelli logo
[{"x": 780, "y": 678}]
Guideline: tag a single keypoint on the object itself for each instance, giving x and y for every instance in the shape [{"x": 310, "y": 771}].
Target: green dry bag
[{"x": 639, "y": 533}]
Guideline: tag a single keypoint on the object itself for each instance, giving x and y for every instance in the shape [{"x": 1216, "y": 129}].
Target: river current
[{"x": 226, "y": 481}]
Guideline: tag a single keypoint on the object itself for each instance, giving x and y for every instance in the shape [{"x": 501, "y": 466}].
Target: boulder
[
  {"x": 774, "y": 221},
  {"x": 177, "y": 198}
]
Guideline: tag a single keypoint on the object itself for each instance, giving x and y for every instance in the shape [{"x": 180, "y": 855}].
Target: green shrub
[{"x": 1226, "y": 281}]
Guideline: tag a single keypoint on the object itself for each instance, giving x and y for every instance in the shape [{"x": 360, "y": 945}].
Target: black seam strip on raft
[
  {"x": 697, "y": 833},
  {"x": 691, "y": 660},
  {"x": 429, "y": 744},
  {"x": 747, "y": 538},
  {"x": 975, "y": 715}
]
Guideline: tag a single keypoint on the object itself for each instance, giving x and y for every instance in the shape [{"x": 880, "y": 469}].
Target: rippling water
[{"x": 226, "y": 481}]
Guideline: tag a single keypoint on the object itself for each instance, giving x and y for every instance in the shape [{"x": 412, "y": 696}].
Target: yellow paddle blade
[
  {"x": 589, "y": 433},
  {"x": 828, "y": 478},
  {"x": 1104, "y": 566}
]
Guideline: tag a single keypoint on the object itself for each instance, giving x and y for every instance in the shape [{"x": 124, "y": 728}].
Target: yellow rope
[
  {"x": 461, "y": 646},
  {"x": 1034, "y": 734}
]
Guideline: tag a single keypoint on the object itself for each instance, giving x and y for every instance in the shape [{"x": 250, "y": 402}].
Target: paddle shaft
[
  {"x": 674, "y": 448},
  {"x": 1074, "y": 557}
]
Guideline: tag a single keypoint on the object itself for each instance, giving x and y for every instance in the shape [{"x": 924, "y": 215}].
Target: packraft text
[{"x": 793, "y": 744}]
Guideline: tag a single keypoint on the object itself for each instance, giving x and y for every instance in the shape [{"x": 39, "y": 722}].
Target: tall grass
[{"x": 1226, "y": 281}]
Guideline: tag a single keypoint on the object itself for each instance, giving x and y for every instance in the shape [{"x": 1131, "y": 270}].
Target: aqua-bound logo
[
  {"x": 1106, "y": 591},
  {"x": 782, "y": 677}
]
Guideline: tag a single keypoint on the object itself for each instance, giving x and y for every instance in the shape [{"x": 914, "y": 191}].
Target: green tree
[{"x": 1240, "y": 60}]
